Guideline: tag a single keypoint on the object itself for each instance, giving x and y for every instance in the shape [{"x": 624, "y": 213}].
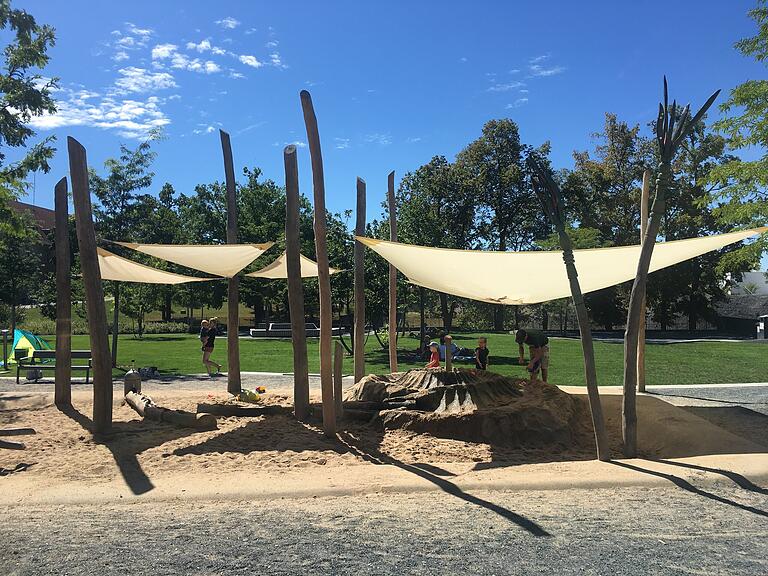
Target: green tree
[
  {"x": 742, "y": 193},
  {"x": 508, "y": 215}
]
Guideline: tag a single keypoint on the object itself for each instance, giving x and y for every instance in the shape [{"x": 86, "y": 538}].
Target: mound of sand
[{"x": 474, "y": 406}]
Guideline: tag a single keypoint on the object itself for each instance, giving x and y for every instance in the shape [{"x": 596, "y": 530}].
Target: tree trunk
[
  {"x": 631, "y": 335},
  {"x": 63, "y": 382},
  {"x": 323, "y": 276},
  {"x": 544, "y": 319},
  {"x": 644, "y": 197},
  {"x": 94, "y": 291},
  {"x": 498, "y": 317},
  {"x": 115, "y": 321},
  {"x": 359, "y": 330},
  {"x": 422, "y": 321},
  {"x": 295, "y": 286},
  {"x": 392, "y": 275},
  {"x": 233, "y": 301}
]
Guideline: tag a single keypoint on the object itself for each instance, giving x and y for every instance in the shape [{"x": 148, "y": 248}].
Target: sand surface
[{"x": 143, "y": 454}]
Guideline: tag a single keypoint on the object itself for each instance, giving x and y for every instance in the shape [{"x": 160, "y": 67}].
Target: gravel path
[{"x": 721, "y": 530}]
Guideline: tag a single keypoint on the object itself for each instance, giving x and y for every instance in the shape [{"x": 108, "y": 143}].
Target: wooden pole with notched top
[
  {"x": 94, "y": 291},
  {"x": 392, "y": 274},
  {"x": 359, "y": 345},
  {"x": 233, "y": 302},
  {"x": 295, "y": 286},
  {"x": 63, "y": 382},
  {"x": 644, "y": 197},
  {"x": 323, "y": 273}
]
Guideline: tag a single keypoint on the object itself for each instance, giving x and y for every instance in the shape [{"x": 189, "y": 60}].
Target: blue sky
[{"x": 393, "y": 83}]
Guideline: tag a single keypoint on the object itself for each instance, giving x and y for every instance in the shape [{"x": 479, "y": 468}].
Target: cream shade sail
[
  {"x": 114, "y": 267},
  {"x": 532, "y": 277},
  {"x": 221, "y": 259},
  {"x": 279, "y": 269}
]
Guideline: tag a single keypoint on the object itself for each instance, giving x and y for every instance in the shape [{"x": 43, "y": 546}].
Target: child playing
[
  {"x": 481, "y": 353},
  {"x": 434, "y": 358}
]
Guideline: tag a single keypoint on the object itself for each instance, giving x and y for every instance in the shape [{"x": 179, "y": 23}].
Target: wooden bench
[{"x": 45, "y": 360}]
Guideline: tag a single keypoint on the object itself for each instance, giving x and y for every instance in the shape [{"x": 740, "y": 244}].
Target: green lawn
[{"x": 684, "y": 363}]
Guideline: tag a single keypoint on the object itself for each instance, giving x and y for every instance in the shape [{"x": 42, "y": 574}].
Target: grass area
[{"x": 683, "y": 363}]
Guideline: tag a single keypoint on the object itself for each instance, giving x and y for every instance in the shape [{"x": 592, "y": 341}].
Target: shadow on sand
[{"x": 129, "y": 439}]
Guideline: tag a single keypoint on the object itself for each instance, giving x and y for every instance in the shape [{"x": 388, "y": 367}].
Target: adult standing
[{"x": 538, "y": 344}]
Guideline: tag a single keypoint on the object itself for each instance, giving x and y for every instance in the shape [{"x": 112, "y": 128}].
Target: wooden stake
[
  {"x": 63, "y": 381},
  {"x": 94, "y": 291},
  {"x": 338, "y": 368},
  {"x": 359, "y": 345},
  {"x": 115, "y": 323},
  {"x": 323, "y": 275},
  {"x": 392, "y": 274},
  {"x": 644, "y": 199},
  {"x": 233, "y": 302},
  {"x": 295, "y": 286}
]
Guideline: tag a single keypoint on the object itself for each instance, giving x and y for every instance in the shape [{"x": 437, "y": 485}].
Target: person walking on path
[
  {"x": 208, "y": 340},
  {"x": 538, "y": 344}
]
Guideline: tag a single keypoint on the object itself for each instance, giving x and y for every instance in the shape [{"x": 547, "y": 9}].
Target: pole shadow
[
  {"x": 741, "y": 481},
  {"x": 688, "y": 487},
  {"x": 376, "y": 457}
]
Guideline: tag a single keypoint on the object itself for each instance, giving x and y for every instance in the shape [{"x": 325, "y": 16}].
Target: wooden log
[
  {"x": 295, "y": 286},
  {"x": 359, "y": 344},
  {"x": 146, "y": 408},
  {"x": 323, "y": 275},
  {"x": 94, "y": 291},
  {"x": 248, "y": 411},
  {"x": 338, "y": 370},
  {"x": 8, "y": 445},
  {"x": 115, "y": 322},
  {"x": 233, "y": 317},
  {"x": 644, "y": 199},
  {"x": 392, "y": 274},
  {"x": 63, "y": 378},
  {"x": 17, "y": 431}
]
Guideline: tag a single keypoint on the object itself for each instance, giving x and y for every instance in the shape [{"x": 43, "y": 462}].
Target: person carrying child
[{"x": 481, "y": 354}]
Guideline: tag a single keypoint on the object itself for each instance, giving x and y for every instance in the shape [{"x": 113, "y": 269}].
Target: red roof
[{"x": 44, "y": 217}]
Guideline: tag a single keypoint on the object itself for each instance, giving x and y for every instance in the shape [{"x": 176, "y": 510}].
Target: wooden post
[
  {"x": 552, "y": 202},
  {"x": 323, "y": 274},
  {"x": 295, "y": 286},
  {"x": 63, "y": 382},
  {"x": 392, "y": 274},
  {"x": 338, "y": 372},
  {"x": 115, "y": 323},
  {"x": 94, "y": 291},
  {"x": 233, "y": 302},
  {"x": 644, "y": 198},
  {"x": 359, "y": 344},
  {"x": 448, "y": 360}
]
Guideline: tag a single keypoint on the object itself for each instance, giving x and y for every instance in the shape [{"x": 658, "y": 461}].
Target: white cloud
[
  {"x": 272, "y": 44},
  {"x": 140, "y": 32},
  {"x": 130, "y": 118},
  {"x": 414, "y": 139},
  {"x": 228, "y": 22},
  {"x": 297, "y": 143},
  {"x": 140, "y": 80},
  {"x": 539, "y": 59},
  {"x": 463, "y": 59},
  {"x": 120, "y": 55},
  {"x": 250, "y": 31},
  {"x": 203, "y": 46},
  {"x": 540, "y": 71},
  {"x": 250, "y": 60},
  {"x": 163, "y": 51},
  {"x": 505, "y": 87},
  {"x": 517, "y": 103},
  {"x": 380, "y": 139},
  {"x": 274, "y": 60},
  {"x": 205, "y": 130},
  {"x": 341, "y": 143},
  {"x": 236, "y": 75}
]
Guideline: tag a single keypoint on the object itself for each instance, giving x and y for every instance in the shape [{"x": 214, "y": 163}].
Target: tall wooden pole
[
  {"x": 551, "y": 199},
  {"x": 295, "y": 286},
  {"x": 94, "y": 291},
  {"x": 359, "y": 345},
  {"x": 63, "y": 382},
  {"x": 644, "y": 197},
  {"x": 392, "y": 274},
  {"x": 338, "y": 373},
  {"x": 233, "y": 302},
  {"x": 323, "y": 274},
  {"x": 115, "y": 322}
]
